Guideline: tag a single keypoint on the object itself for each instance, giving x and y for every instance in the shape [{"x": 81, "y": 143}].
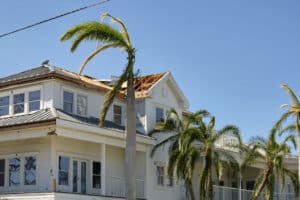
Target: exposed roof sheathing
[{"x": 144, "y": 83}]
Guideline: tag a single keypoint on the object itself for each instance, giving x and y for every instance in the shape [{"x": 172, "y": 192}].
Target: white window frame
[
  {"x": 22, "y": 186},
  {"x": 26, "y": 91},
  {"x": 92, "y": 173},
  {"x": 34, "y": 101},
  {"x": 113, "y": 113},
  {"x": 159, "y": 175},
  {"x": 85, "y": 96},
  {"x": 73, "y": 103},
  {"x": 164, "y": 114},
  {"x": 9, "y": 100},
  {"x": 23, "y": 103}
]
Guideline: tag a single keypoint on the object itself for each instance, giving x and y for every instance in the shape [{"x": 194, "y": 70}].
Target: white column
[{"x": 103, "y": 168}]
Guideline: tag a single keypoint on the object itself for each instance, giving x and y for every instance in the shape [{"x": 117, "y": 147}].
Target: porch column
[{"x": 103, "y": 168}]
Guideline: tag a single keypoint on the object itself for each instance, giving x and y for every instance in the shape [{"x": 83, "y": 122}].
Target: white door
[{"x": 79, "y": 179}]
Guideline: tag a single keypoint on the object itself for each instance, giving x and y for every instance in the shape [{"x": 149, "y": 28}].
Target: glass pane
[
  {"x": 96, "y": 168},
  {"x": 4, "y": 101},
  {"x": 63, "y": 170},
  {"x": 2, "y": 172},
  {"x": 14, "y": 172},
  {"x": 35, "y": 95},
  {"x": 4, "y": 110},
  {"x": 75, "y": 175},
  {"x": 68, "y": 107},
  {"x": 117, "y": 114},
  {"x": 64, "y": 163},
  {"x": 159, "y": 115},
  {"x": 81, "y": 105},
  {"x": 2, "y": 178},
  {"x": 19, "y": 98},
  {"x": 18, "y": 108},
  {"x": 83, "y": 177},
  {"x": 2, "y": 165},
  {"x": 96, "y": 181},
  {"x": 30, "y": 171},
  {"x": 34, "y": 106},
  {"x": 68, "y": 97}
]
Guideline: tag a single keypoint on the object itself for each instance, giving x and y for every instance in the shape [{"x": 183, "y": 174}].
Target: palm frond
[
  {"x": 121, "y": 24},
  {"x": 110, "y": 96},
  {"x": 228, "y": 130},
  {"x": 295, "y": 100},
  {"x": 98, "y": 50},
  {"x": 93, "y": 31}
]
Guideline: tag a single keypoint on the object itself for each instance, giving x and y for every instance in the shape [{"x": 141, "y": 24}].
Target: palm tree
[
  {"x": 200, "y": 142},
  {"x": 110, "y": 37},
  {"x": 272, "y": 154},
  {"x": 193, "y": 142},
  {"x": 174, "y": 125},
  {"x": 292, "y": 111}
]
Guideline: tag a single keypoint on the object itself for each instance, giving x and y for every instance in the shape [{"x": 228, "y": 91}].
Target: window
[
  {"x": 63, "y": 170},
  {"x": 2, "y": 172},
  {"x": 34, "y": 100},
  {"x": 81, "y": 105},
  {"x": 250, "y": 185},
  {"x": 170, "y": 181},
  {"x": 30, "y": 170},
  {"x": 159, "y": 115},
  {"x": 14, "y": 171},
  {"x": 97, "y": 175},
  {"x": 117, "y": 114},
  {"x": 4, "y": 105},
  {"x": 19, "y": 103},
  {"x": 160, "y": 172},
  {"x": 68, "y": 101}
]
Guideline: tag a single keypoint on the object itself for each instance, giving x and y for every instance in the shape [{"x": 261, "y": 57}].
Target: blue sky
[{"x": 229, "y": 57}]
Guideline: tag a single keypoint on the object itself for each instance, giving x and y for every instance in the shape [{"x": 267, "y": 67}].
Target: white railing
[
  {"x": 229, "y": 193},
  {"x": 115, "y": 187}
]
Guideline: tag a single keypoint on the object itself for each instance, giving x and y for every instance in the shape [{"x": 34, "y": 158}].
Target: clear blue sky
[{"x": 228, "y": 57}]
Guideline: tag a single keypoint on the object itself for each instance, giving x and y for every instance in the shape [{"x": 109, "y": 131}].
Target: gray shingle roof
[
  {"x": 26, "y": 74},
  {"x": 39, "y": 116},
  {"x": 48, "y": 114}
]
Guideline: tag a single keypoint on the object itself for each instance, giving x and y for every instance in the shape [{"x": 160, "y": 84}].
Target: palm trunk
[
  {"x": 209, "y": 165},
  {"x": 130, "y": 151},
  {"x": 299, "y": 162},
  {"x": 263, "y": 183}
]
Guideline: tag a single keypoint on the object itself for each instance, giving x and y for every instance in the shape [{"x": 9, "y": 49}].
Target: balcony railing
[
  {"x": 115, "y": 187},
  {"x": 228, "y": 193}
]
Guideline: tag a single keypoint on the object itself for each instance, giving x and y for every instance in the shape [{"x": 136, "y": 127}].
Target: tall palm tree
[
  {"x": 175, "y": 126},
  {"x": 293, "y": 110},
  {"x": 110, "y": 37},
  {"x": 271, "y": 154},
  {"x": 192, "y": 143}
]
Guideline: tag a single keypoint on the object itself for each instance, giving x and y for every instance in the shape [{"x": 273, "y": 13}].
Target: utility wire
[{"x": 53, "y": 18}]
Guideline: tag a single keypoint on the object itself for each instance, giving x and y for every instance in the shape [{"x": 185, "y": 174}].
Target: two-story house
[{"x": 52, "y": 148}]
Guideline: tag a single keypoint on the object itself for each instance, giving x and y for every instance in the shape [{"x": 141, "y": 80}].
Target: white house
[{"x": 52, "y": 148}]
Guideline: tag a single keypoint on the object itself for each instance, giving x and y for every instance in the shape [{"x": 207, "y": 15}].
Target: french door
[{"x": 79, "y": 176}]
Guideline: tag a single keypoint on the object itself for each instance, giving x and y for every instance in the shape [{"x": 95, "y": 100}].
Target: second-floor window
[
  {"x": 4, "y": 105},
  {"x": 68, "y": 102},
  {"x": 19, "y": 103},
  {"x": 159, "y": 115},
  {"x": 34, "y": 100},
  {"x": 117, "y": 111},
  {"x": 81, "y": 105},
  {"x": 14, "y": 171}
]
